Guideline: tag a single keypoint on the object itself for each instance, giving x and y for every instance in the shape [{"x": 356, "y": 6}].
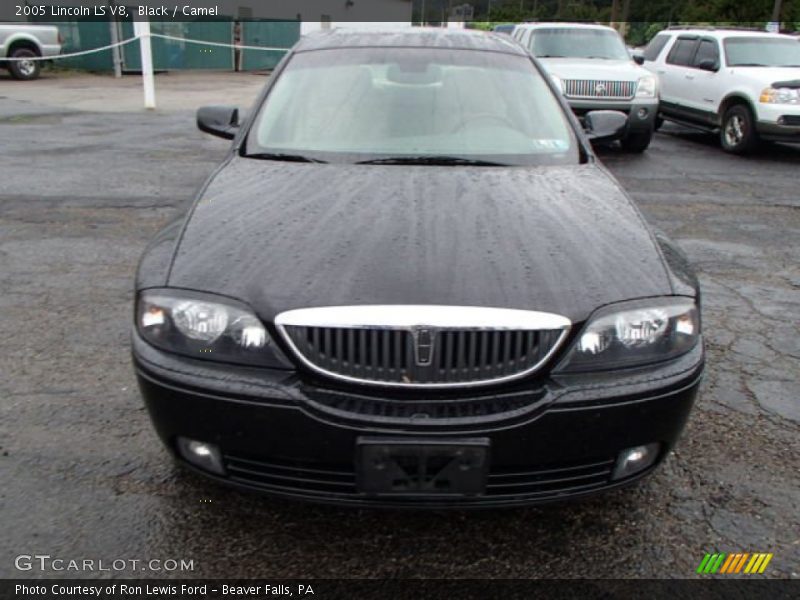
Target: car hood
[
  {"x": 586, "y": 68},
  {"x": 290, "y": 235},
  {"x": 766, "y": 76}
]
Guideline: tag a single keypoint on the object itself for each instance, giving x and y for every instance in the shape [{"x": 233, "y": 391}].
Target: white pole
[{"x": 142, "y": 29}]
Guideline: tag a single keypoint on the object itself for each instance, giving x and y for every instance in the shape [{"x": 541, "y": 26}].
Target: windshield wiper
[
  {"x": 749, "y": 65},
  {"x": 550, "y": 56},
  {"x": 286, "y": 157},
  {"x": 431, "y": 160}
]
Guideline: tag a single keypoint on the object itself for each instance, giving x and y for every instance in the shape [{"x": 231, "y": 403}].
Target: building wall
[
  {"x": 289, "y": 10},
  {"x": 266, "y": 23}
]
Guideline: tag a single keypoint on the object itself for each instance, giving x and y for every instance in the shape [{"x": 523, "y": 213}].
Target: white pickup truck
[{"x": 22, "y": 41}]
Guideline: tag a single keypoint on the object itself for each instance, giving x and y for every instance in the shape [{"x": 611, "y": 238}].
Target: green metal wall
[
  {"x": 81, "y": 34},
  {"x": 281, "y": 34},
  {"x": 169, "y": 54}
]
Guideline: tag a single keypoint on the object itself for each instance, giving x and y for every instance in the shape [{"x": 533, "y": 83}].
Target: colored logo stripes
[{"x": 738, "y": 562}]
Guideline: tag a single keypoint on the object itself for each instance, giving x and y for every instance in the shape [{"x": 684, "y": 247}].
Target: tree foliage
[{"x": 644, "y": 17}]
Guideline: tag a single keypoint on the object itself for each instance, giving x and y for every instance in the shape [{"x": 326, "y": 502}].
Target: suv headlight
[
  {"x": 557, "y": 80},
  {"x": 780, "y": 96},
  {"x": 205, "y": 326},
  {"x": 648, "y": 87},
  {"x": 635, "y": 333}
]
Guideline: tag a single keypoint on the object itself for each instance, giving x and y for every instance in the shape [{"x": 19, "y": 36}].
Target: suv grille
[
  {"x": 423, "y": 346},
  {"x": 595, "y": 88}
]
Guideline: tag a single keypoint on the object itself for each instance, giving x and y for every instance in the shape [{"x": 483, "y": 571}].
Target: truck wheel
[
  {"x": 637, "y": 141},
  {"x": 24, "y": 69},
  {"x": 738, "y": 133}
]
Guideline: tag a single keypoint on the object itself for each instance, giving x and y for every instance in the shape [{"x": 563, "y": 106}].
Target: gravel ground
[{"x": 84, "y": 476}]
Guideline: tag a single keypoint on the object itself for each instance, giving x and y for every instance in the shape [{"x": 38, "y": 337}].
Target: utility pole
[
  {"x": 776, "y": 11},
  {"x": 116, "y": 51}
]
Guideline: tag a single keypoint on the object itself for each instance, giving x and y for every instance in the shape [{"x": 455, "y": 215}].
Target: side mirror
[
  {"x": 638, "y": 58},
  {"x": 221, "y": 121},
  {"x": 708, "y": 64},
  {"x": 604, "y": 124}
]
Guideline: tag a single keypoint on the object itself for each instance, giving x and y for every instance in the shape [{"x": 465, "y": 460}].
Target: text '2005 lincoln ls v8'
[{"x": 410, "y": 283}]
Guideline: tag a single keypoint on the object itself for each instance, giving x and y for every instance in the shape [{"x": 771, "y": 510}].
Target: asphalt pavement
[{"x": 83, "y": 475}]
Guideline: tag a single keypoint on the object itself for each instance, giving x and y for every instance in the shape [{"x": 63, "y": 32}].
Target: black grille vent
[
  {"x": 422, "y": 356},
  {"x": 427, "y": 412},
  {"x": 539, "y": 482}
]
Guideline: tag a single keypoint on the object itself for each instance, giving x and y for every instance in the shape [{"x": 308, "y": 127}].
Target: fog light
[
  {"x": 635, "y": 459},
  {"x": 642, "y": 113},
  {"x": 201, "y": 454}
]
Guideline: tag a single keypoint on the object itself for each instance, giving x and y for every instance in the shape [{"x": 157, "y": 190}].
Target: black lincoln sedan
[{"x": 411, "y": 283}]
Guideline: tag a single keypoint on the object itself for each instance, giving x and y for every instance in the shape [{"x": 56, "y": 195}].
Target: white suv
[
  {"x": 743, "y": 84},
  {"x": 595, "y": 72}
]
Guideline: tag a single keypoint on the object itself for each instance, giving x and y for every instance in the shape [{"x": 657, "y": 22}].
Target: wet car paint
[{"x": 280, "y": 236}]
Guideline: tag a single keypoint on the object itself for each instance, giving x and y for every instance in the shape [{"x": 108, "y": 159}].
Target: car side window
[
  {"x": 708, "y": 50},
  {"x": 655, "y": 47},
  {"x": 683, "y": 51},
  {"x": 526, "y": 38}
]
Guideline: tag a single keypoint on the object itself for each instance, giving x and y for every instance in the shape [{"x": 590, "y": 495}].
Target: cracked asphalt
[{"x": 82, "y": 474}]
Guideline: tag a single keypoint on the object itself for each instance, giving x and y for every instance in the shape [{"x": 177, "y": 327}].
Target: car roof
[
  {"x": 562, "y": 25},
  {"x": 412, "y": 37},
  {"x": 722, "y": 32}
]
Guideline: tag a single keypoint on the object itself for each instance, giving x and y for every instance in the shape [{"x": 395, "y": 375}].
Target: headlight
[
  {"x": 635, "y": 333},
  {"x": 557, "y": 80},
  {"x": 205, "y": 326},
  {"x": 780, "y": 96},
  {"x": 647, "y": 88}
]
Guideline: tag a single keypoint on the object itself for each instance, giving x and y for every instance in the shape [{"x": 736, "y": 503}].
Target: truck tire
[
  {"x": 637, "y": 141},
  {"x": 24, "y": 69},
  {"x": 738, "y": 133}
]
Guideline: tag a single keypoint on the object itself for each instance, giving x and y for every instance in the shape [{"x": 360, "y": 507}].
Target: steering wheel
[{"x": 484, "y": 116}]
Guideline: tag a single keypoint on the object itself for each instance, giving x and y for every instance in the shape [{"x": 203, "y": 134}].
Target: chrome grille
[
  {"x": 598, "y": 88},
  {"x": 422, "y": 346}
]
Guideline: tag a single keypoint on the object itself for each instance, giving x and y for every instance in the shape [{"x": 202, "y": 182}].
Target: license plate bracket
[{"x": 421, "y": 467}]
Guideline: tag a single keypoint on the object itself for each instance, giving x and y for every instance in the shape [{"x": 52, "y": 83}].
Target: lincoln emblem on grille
[
  {"x": 423, "y": 345},
  {"x": 600, "y": 89}
]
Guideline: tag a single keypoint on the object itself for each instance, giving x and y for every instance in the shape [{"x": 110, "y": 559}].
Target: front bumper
[
  {"x": 777, "y": 132},
  {"x": 641, "y": 113},
  {"x": 549, "y": 439},
  {"x": 778, "y": 122}
]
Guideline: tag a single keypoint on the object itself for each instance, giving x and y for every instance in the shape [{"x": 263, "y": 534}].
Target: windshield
[
  {"x": 762, "y": 52},
  {"x": 564, "y": 42},
  {"x": 372, "y": 104}
]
